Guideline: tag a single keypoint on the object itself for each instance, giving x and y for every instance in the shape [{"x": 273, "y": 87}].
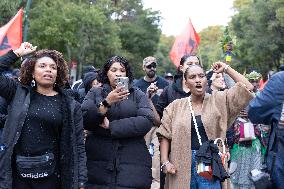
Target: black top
[
  {"x": 161, "y": 84},
  {"x": 170, "y": 93},
  {"x": 194, "y": 139},
  {"x": 42, "y": 126},
  {"x": 18, "y": 96}
]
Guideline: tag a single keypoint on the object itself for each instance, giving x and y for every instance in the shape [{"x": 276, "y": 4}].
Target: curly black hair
[
  {"x": 123, "y": 61},
  {"x": 28, "y": 66}
]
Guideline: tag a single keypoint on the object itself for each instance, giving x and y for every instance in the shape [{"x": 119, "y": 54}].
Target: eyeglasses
[{"x": 152, "y": 65}]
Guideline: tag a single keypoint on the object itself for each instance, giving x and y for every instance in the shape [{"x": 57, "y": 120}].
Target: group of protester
[{"x": 151, "y": 134}]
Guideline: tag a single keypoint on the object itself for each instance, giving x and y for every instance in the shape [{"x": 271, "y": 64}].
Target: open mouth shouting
[
  {"x": 48, "y": 77},
  {"x": 199, "y": 87}
]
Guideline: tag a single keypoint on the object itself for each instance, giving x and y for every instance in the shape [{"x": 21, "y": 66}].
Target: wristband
[
  {"x": 105, "y": 103},
  {"x": 164, "y": 164},
  {"x": 226, "y": 68}
]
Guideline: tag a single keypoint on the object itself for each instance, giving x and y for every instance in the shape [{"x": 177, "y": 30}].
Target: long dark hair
[
  {"x": 185, "y": 57},
  {"x": 182, "y": 61},
  {"x": 123, "y": 61}
]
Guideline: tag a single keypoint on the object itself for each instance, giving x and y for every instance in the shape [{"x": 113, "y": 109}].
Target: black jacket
[
  {"x": 72, "y": 153},
  {"x": 169, "y": 94},
  {"x": 208, "y": 153},
  {"x": 118, "y": 157}
]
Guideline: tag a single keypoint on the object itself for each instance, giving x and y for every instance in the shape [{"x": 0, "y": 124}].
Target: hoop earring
[{"x": 33, "y": 83}]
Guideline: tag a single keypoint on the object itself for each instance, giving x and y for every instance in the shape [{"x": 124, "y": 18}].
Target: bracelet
[
  {"x": 226, "y": 68},
  {"x": 164, "y": 164}
]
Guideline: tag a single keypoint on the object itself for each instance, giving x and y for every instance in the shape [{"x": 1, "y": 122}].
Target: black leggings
[{"x": 52, "y": 182}]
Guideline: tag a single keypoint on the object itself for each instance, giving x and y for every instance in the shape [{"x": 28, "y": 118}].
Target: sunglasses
[{"x": 152, "y": 65}]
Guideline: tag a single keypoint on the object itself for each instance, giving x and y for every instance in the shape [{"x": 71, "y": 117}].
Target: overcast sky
[{"x": 203, "y": 13}]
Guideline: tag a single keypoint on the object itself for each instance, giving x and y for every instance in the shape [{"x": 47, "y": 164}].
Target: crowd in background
[{"x": 150, "y": 132}]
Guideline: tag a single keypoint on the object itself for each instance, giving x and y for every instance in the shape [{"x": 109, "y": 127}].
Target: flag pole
[{"x": 26, "y": 22}]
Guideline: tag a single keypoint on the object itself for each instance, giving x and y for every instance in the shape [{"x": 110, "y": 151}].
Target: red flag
[
  {"x": 11, "y": 33},
  {"x": 185, "y": 43}
]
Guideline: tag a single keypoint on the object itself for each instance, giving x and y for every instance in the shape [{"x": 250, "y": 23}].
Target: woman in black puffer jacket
[{"x": 117, "y": 120}]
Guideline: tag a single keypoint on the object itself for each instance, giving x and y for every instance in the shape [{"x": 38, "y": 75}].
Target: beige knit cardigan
[{"x": 218, "y": 112}]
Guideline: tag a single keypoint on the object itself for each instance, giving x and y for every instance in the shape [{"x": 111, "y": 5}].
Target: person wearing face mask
[
  {"x": 43, "y": 140},
  {"x": 117, "y": 119},
  {"x": 179, "y": 140}
]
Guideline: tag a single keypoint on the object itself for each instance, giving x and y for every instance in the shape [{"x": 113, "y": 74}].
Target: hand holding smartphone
[
  {"x": 121, "y": 92},
  {"x": 123, "y": 82}
]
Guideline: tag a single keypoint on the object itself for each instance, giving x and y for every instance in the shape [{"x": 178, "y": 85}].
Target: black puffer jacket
[
  {"x": 72, "y": 153},
  {"x": 117, "y": 158}
]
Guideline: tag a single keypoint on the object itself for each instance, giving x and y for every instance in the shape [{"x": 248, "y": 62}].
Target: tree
[
  {"x": 209, "y": 47},
  {"x": 139, "y": 31},
  {"x": 8, "y": 9},
  {"x": 90, "y": 31},
  {"x": 258, "y": 27},
  {"x": 79, "y": 30},
  {"x": 162, "y": 54}
]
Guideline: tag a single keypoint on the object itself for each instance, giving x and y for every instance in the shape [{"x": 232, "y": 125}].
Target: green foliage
[
  {"x": 209, "y": 47},
  {"x": 139, "y": 31},
  {"x": 239, "y": 4},
  {"x": 279, "y": 10},
  {"x": 92, "y": 31},
  {"x": 226, "y": 39},
  {"x": 162, "y": 54},
  {"x": 258, "y": 27},
  {"x": 8, "y": 9},
  {"x": 81, "y": 31}
]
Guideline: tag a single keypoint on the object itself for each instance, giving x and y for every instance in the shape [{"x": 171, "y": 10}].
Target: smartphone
[{"x": 122, "y": 82}]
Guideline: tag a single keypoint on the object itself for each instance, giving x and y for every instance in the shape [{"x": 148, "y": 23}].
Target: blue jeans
[{"x": 199, "y": 182}]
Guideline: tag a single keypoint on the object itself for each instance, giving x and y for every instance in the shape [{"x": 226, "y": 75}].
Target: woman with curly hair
[
  {"x": 117, "y": 119},
  {"x": 42, "y": 145}
]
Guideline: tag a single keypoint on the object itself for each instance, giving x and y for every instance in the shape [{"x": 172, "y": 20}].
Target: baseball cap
[
  {"x": 149, "y": 60},
  {"x": 169, "y": 74}
]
